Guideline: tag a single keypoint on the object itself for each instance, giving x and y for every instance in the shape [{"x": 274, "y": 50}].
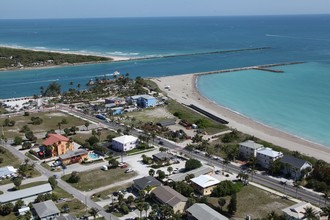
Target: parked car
[{"x": 129, "y": 170}]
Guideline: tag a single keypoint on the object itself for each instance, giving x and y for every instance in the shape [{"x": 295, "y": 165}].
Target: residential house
[
  {"x": 60, "y": 145},
  {"x": 167, "y": 195},
  {"x": 143, "y": 101},
  {"x": 71, "y": 157},
  {"x": 146, "y": 182},
  {"x": 204, "y": 184},
  {"x": 45, "y": 210},
  {"x": 124, "y": 143},
  {"x": 200, "y": 211},
  {"x": 117, "y": 110},
  {"x": 116, "y": 101},
  {"x": 266, "y": 156},
  {"x": 162, "y": 157},
  {"x": 249, "y": 149},
  {"x": 28, "y": 194},
  {"x": 294, "y": 166},
  {"x": 204, "y": 170},
  {"x": 296, "y": 212},
  {"x": 7, "y": 172}
]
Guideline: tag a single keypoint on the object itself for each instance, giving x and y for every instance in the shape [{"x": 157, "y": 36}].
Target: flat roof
[
  {"x": 201, "y": 211},
  {"x": 269, "y": 152},
  {"x": 8, "y": 170},
  {"x": 197, "y": 172},
  {"x": 251, "y": 144},
  {"x": 25, "y": 193},
  {"x": 205, "y": 181},
  {"x": 73, "y": 154},
  {"x": 125, "y": 139}
]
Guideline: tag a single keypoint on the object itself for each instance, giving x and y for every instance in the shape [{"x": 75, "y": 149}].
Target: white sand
[{"x": 183, "y": 89}]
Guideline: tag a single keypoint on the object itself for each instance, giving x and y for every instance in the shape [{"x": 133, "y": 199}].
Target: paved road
[{"x": 62, "y": 184}]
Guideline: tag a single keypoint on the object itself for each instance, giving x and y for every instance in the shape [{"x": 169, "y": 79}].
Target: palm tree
[
  {"x": 59, "y": 126},
  {"x": 309, "y": 213},
  {"x": 93, "y": 211},
  {"x": 326, "y": 211},
  {"x": 151, "y": 172},
  {"x": 146, "y": 207},
  {"x": 139, "y": 206},
  {"x": 87, "y": 124}
]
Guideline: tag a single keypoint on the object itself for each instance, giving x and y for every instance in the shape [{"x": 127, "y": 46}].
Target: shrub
[
  {"x": 18, "y": 140},
  {"x": 192, "y": 164},
  {"x": 74, "y": 177},
  {"x": 226, "y": 188}
]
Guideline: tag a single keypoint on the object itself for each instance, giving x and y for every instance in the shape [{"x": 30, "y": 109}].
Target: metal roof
[
  {"x": 25, "y": 193},
  {"x": 73, "y": 154},
  {"x": 8, "y": 170},
  {"x": 205, "y": 181},
  {"x": 45, "y": 209},
  {"x": 251, "y": 144},
  {"x": 197, "y": 172},
  {"x": 201, "y": 211}
]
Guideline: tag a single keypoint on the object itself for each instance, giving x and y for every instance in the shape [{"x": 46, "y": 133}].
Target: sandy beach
[{"x": 183, "y": 89}]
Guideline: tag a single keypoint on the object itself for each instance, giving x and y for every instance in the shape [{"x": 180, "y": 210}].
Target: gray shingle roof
[
  {"x": 202, "y": 212},
  {"x": 293, "y": 161},
  {"x": 143, "y": 182},
  {"x": 163, "y": 156},
  {"x": 47, "y": 208},
  {"x": 166, "y": 194}
]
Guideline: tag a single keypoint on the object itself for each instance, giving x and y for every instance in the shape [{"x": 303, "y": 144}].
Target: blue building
[
  {"x": 117, "y": 110},
  {"x": 144, "y": 101}
]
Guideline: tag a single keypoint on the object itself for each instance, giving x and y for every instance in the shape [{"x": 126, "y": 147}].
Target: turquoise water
[
  {"x": 296, "y": 101},
  {"x": 93, "y": 155}
]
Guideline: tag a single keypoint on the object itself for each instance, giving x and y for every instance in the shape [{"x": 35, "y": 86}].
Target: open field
[
  {"x": 8, "y": 158},
  {"x": 255, "y": 202},
  {"x": 105, "y": 194},
  {"x": 154, "y": 115},
  {"x": 97, "y": 178},
  {"x": 81, "y": 137},
  {"x": 50, "y": 121},
  {"x": 210, "y": 126}
]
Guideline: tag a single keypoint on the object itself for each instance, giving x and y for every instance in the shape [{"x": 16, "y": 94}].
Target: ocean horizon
[{"x": 303, "y": 38}]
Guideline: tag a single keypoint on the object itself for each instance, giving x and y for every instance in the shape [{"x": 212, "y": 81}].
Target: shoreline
[
  {"x": 184, "y": 90},
  {"x": 113, "y": 58}
]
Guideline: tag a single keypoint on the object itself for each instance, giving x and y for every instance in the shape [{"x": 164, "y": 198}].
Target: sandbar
[{"x": 183, "y": 89}]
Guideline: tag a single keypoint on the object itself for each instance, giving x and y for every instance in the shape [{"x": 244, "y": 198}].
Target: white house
[
  {"x": 296, "y": 211},
  {"x": 204, "y": 184},
  {"x": 249, "y": 149},
  {"x": 124, "y": 143},
  {"x": 266, "y": 156},
  {"x": 7, "y": 172}
]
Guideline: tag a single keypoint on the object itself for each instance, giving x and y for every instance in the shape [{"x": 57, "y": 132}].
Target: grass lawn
[
  {"x": 25, "y": 186},
  {"x": 11, "y": 216},
  {"x": 50, "y": 121},
  {"x": 8, "y": 158},
  {"x": 104, "y": 194},
  {"x": 139, "y": 150},
  {"x": 81, "y": 137},
  {"x": 155, "y": 115},
  {"x": 211, "y": 126},
  {"x": 255, "y": 202},
  {"x": 97, "y": 178}
]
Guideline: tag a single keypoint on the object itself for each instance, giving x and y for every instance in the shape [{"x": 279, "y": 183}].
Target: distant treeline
[{"x": 17, "y": 58}]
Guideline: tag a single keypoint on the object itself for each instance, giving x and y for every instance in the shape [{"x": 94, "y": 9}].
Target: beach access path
[{"x": 182, "y": 88}]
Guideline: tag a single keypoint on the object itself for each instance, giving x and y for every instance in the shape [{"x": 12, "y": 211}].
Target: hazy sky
[{"x": 152, "y": 8}]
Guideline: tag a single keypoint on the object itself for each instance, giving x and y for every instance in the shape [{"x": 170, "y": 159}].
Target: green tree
[
  {"x": 30, "y": 136},
  {"x": 184, "y": 188},
  {"x": 146, "y": 206},
  {"x": 169, "y": 170},
  {"x": 221, "y": 202},
  {"x": 18, "y": 204},
  {"x": 94, "y": 211},
  {"x": 309, "y": 214},
  {"x": 53, "y": 89},
  {"x": 52, "y": 181},
  {"x": 151, "y": 172},
  {"x": 130, "y": 199},
  {"x": 232, "y": 206},
  {"x": 139, "y": 206},
  {"x": 87, "y": 124},
  {"x": 17, "y": 182},
  {"x": 74, "y": 177},
  {"x": 161, "y": 174},
  {"x": 192, "y": 164},
  {"x": 113, "y": 163},
  {"x": 18, "y": 140}
]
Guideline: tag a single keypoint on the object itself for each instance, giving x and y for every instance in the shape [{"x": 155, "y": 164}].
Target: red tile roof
[{"x": 54, "y": 138}]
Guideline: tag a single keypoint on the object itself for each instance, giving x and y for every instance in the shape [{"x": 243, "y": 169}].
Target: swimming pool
[{"x": 93, "y": 156}]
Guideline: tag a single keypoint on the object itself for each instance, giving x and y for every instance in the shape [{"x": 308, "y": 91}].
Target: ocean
[{"x": 295, "y": 101}]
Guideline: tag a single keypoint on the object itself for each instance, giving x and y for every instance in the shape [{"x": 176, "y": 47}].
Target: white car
[{"x": 129, "y": 170}]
